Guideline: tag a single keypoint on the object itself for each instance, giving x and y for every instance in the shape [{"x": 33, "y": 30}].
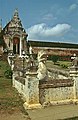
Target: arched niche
[{"x": 16, "y": 45}]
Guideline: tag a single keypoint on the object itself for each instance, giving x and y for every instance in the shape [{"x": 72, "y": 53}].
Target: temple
[
  {"x": 14, "y": 35},
  {"x": 38, "y": 84}
]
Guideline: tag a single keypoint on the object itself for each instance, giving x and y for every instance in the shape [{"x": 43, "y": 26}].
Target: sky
[{"x": 45, "y": 20}]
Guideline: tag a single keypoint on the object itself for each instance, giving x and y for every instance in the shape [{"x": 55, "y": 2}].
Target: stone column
[
  {"x": 13, "y": 78},
  {"x": 32, "y": 92},
  {"x": 20, "y": 46},
  {"x": 74, "y": 76}
]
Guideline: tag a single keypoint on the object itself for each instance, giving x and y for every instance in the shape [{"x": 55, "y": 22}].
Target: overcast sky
[{"x": 49, "y": 20}]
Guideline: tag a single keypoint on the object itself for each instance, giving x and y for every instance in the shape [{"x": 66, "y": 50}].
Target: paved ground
[
  {"x": 15, "y": 116},
  {"x": 54, "y": 112}
]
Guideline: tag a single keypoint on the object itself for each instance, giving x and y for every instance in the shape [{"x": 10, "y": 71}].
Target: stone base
[
  {"x": 62, "y": 102},
  {"x": 32, "y": 106},
  {"x": 75, "y": 101}
]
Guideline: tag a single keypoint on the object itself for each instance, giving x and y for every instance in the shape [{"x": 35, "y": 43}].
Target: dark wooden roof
[{"x": 52, "y": 44}]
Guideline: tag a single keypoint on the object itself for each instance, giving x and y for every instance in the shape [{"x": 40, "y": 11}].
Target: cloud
[
  {"x": 73, "y": 7},
  {"x": 48, "y": 16},
  {"x": 40, "y": 31}
]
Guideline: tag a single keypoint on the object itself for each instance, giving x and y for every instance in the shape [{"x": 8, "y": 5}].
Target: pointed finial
[
  {"x": 16, "y": 13},
  {"x": 16, "y": 10}
]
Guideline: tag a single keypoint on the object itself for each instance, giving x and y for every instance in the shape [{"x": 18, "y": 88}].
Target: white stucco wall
[
  {"x": 56, "y": 94},
  {"x": 34, "y": 95},
  {"x": 30, "y": 90}
]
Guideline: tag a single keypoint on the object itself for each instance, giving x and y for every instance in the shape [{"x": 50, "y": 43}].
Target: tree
[{"x": 55, "y": 58}]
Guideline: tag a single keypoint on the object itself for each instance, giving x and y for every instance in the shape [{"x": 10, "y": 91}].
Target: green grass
[
  {"x": 10, "y": 100},
  {"x": 59, "y": 65}
]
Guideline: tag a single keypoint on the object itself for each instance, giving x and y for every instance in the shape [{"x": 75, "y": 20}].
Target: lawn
[
  {"x": 63, "y": 65},
  {"x": 10, "y": 100}
]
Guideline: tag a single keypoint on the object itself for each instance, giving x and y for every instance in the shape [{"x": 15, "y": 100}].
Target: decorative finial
[
  {"x": 16, "y": 10},
  {"x": 16, "y": 13}
]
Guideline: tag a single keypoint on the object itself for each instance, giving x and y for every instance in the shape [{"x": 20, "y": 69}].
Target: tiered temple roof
[{"x": 14, "y": 26}]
